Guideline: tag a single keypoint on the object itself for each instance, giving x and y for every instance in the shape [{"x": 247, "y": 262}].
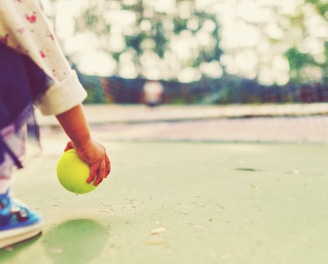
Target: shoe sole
[{"x": 17, "y": 235}]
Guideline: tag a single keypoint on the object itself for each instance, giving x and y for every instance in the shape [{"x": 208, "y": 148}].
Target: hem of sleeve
[{"x": 62, "y": 96}]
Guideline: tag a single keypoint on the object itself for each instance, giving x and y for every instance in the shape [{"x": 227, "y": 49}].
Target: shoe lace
[
  {"x": 11, "y": 212},
  {"x": 20, "y": 213}
]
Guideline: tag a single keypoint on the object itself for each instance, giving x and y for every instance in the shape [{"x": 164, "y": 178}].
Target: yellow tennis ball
[{"x": 72, "y": 173}]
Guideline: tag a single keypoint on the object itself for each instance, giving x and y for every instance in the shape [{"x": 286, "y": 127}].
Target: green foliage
[
  {"x": 325, "y": 65},
  {"x": 160, "y": 39},
  {"x": 300, "y": 61},
  {"x": 91, "y": 20},
  {"x": 180, "y": 24},
  {"x": 321, "y": 7},
  {"x": 152, "y": 31},
  {"x": 297, "y": 59},
  {"x": 135, "y": 41},
  {"x": 93, "y": 86}
]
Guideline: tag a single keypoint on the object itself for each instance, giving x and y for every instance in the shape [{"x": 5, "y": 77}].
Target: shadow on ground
[{"x": 75, "y": 241}]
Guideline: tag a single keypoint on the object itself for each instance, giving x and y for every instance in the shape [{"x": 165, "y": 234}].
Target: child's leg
[
  {"x": 6, "y": 169},
  {"x": 21, "y": 82},
  {"x": 17, "y": 222},
  {"x": 15, "y": 141}
]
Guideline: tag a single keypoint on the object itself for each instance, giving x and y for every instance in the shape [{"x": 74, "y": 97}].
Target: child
[{"x": 33, "y": 70}]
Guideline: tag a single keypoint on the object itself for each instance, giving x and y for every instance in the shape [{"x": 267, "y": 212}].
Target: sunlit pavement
[{"x": 179, "y": 201}]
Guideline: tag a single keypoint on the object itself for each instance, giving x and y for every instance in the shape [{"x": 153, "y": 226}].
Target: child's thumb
[{"x": 69, "y": 146}]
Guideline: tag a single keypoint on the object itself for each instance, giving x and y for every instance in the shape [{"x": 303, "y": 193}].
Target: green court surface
[{"x": 182, "y": 202}]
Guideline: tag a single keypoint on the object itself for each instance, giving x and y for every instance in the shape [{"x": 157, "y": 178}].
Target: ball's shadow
[{"x": 75, "y": 241}]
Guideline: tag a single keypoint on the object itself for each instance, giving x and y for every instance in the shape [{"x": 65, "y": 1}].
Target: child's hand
[{"x": 94, "y": 154}]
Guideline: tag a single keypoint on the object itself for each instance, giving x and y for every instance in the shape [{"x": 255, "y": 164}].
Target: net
[{"x": 210, "y": 110}]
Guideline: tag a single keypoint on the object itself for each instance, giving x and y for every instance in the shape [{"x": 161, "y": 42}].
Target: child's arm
[
  {"x": 25, "y": 28},
  {"x": 92, "y": 152}
]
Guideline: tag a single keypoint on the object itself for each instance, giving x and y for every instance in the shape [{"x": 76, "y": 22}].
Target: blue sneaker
[{"x": 17, "y": 222}]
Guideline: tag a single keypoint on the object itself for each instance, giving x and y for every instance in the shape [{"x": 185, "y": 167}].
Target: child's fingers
[
  {"x": 102, "y": 173},
  {"x": 93, "y": 173},
  {"x": 107, "y": 166},
  {"x": 69, "y": 146},
  {"x": 98, "y": 171}
]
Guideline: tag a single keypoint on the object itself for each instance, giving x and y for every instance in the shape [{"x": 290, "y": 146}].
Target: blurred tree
[
  {"x": 153, "y": 39},
  {"x": 321, "y": 6},
  {"x": 298, "y": 61},
  {"x": 308, "y": 56}
]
